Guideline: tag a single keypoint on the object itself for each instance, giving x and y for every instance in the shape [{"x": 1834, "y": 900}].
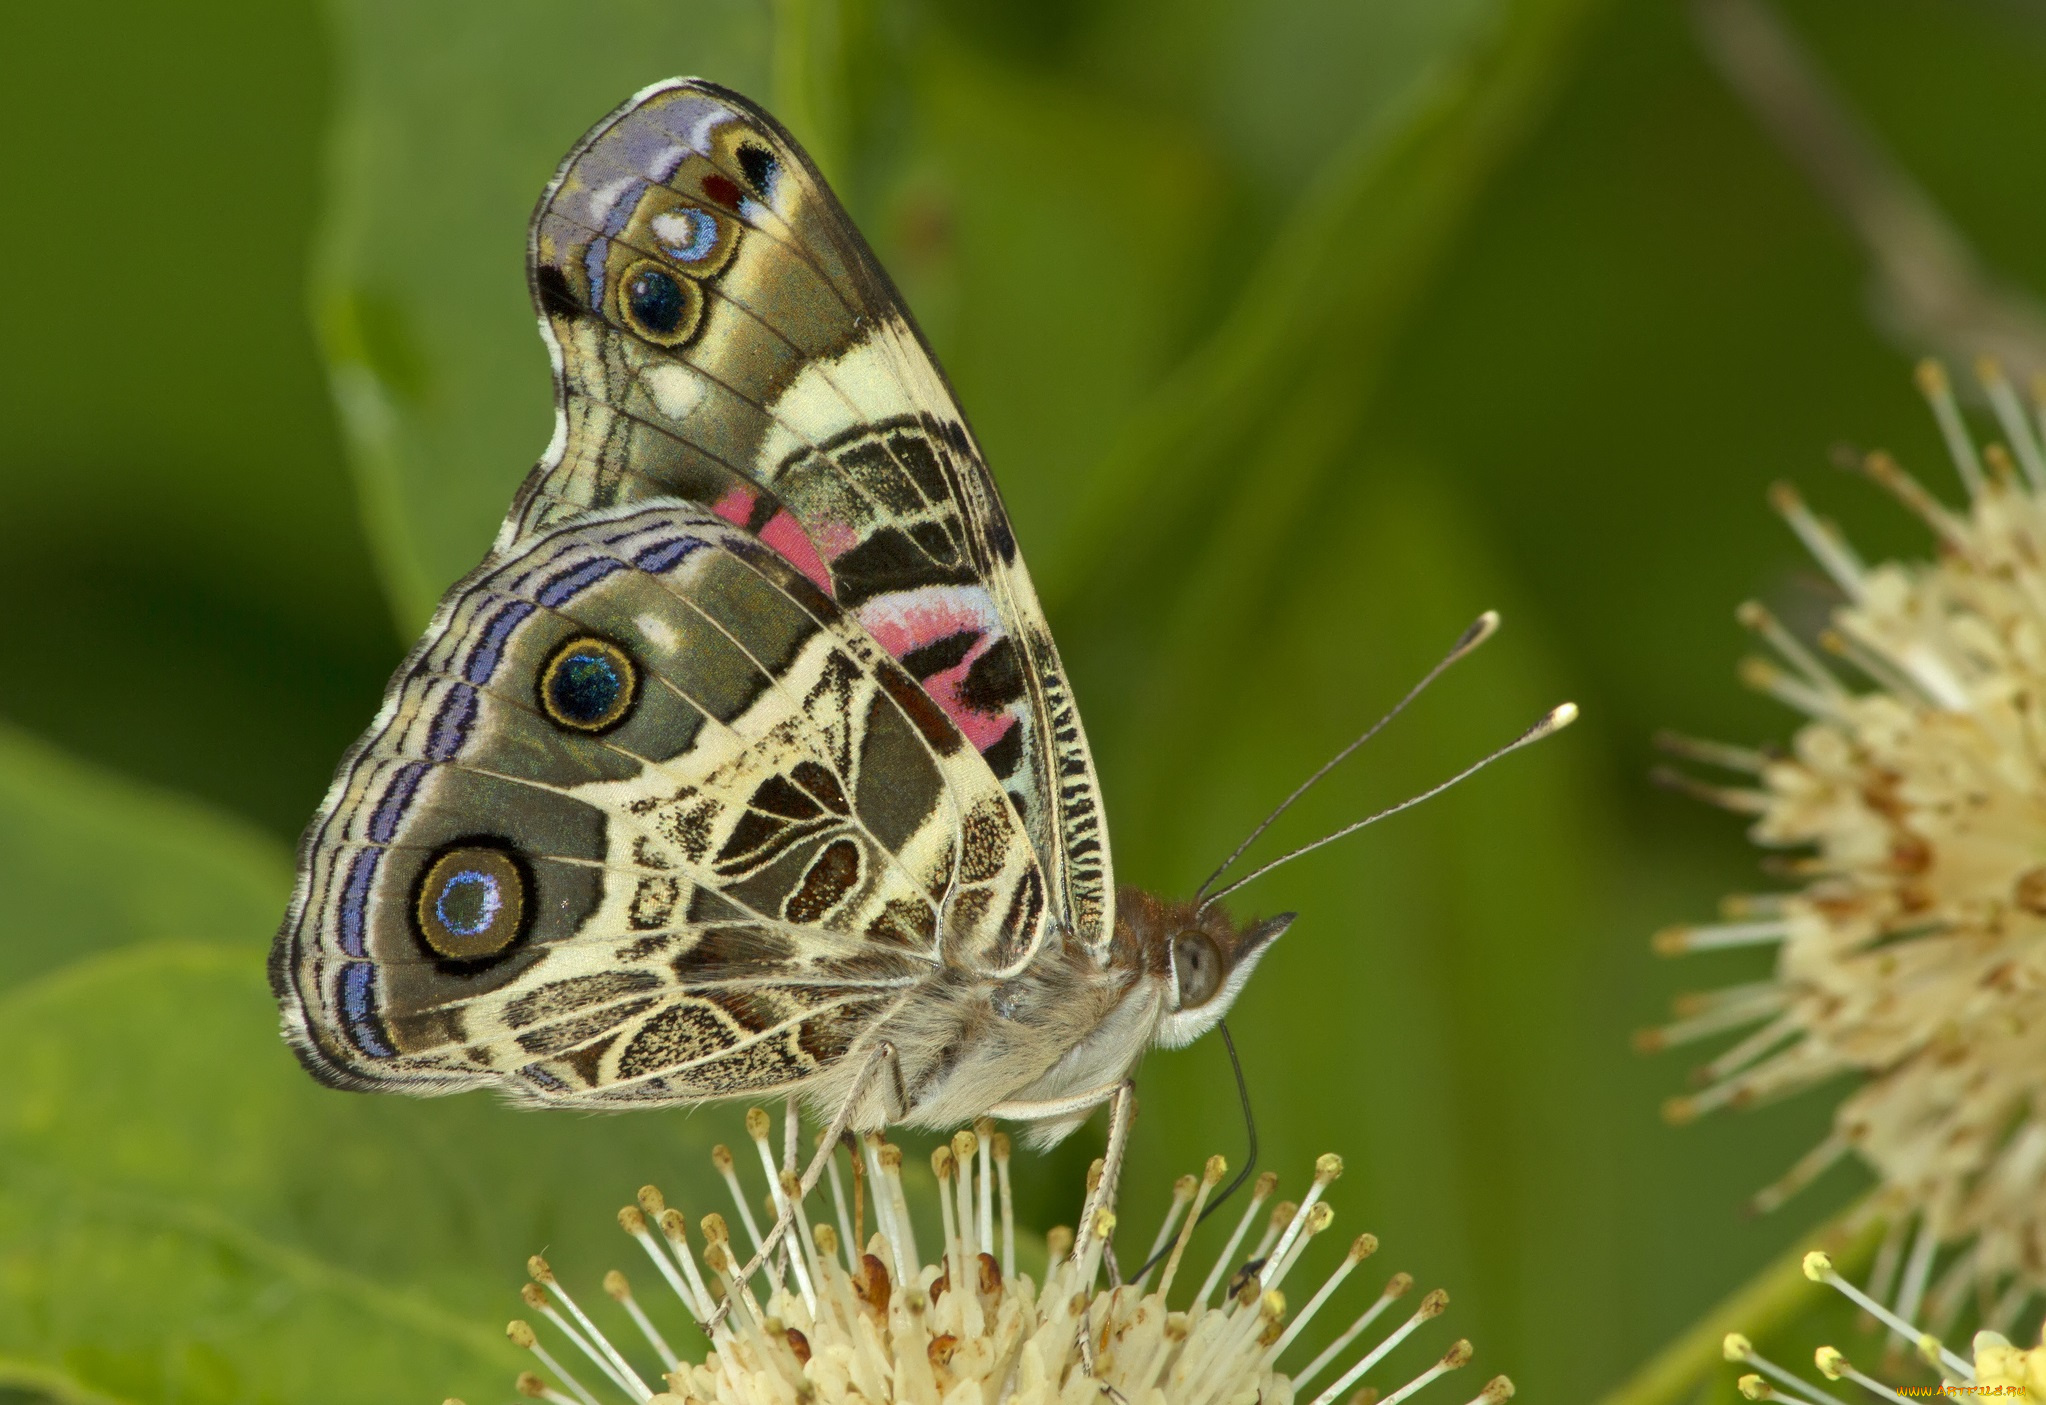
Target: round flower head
[
  {"x": 852, "y": 1315},
  {"x": 1998, "y": 1368},
  {"x": 1914, "y": 953}
]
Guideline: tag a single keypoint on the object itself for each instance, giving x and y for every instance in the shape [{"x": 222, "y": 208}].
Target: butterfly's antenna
[
  {"x": 1249, "y": 1160},
  {"x": 1480, "y": 630},
  {"x": 1555, "y": 720}
]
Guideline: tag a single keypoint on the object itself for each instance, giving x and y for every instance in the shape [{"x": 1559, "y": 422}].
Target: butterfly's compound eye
[
  {"x": 1199, "y": 963},
  {"x": 659, "y": 306},
  {"x": 588, "y": 685},
  {"x": 472, "y": 902}
]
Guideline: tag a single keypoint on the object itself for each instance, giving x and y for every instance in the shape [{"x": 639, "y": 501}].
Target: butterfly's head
[{"x": 1201, "y": 957}]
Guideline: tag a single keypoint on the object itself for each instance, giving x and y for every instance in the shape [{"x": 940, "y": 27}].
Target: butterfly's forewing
[
  {"x": 646, "y": 816},
  {"x": 722, "y": 333}
]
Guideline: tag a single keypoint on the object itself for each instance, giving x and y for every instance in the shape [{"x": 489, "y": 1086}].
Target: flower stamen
[{"x": 921, "y": 1336}]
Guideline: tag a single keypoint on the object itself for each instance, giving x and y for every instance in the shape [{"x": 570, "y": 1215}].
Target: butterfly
[{"x": 745, "y": 763}]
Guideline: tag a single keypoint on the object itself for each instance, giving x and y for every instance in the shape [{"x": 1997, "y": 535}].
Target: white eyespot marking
[
  {"x": 688, "y": 235},
  {"x": 657, "y": 632},
  {"x": 676, "y": 389}
]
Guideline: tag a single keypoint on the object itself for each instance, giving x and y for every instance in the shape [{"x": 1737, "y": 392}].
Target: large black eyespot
[
  {"x": 658, "y": 305},
  {"x": 588, "y": 685},
  {"x": 472, "y": 902},
  {"x": 1199, "y": 963}
]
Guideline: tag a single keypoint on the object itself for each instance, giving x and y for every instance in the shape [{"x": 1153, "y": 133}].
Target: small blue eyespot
[
  {"x": 468, "y": 903},
  {"x": 472, "y": 902}
]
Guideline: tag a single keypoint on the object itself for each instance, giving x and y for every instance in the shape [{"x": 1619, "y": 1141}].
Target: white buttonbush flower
[
  {"x": 1912, "y": 802},
  {"x": 860, "y": 1317}
]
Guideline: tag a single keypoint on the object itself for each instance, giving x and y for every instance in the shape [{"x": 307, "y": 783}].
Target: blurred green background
[{"x": 1298, "y": 332}]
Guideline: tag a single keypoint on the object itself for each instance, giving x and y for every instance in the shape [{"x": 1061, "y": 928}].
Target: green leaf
[
  {"x": 169, "y": 1175},
  {"x": 185, "y": 1216},
  {"x": 91, "y": 861}
]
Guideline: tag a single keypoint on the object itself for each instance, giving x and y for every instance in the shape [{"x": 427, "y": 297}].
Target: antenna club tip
[
  {"x": 1482, "y": 628},
  {"x": 1562, "y": 715}
]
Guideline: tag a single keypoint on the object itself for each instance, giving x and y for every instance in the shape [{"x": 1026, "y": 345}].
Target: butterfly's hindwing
[
  {"x": 646, "y": 817},
  {"x": 723, "y": 334}
]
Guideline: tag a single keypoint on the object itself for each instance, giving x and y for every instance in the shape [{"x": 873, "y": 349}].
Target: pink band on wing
[
  {"x": 905, "y": 622},
  {"x": 783, "y": 534},
  {"x": 983, "y": 729},
  {"x": 736, "y": 506},
  {"x": 786, "y": 536}
]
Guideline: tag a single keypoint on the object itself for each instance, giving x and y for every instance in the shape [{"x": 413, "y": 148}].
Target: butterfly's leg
[
  {"x": 882, "y": 1052},
  {"x": 1121, "y": 1097}
]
